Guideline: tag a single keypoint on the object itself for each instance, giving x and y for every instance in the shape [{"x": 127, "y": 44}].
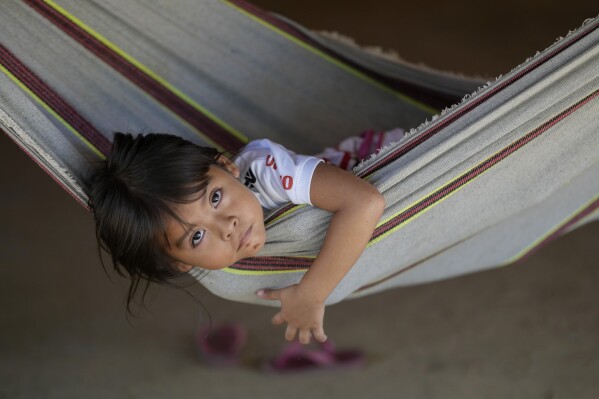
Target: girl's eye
[
  {"x": 197, "y": 238},
  {"x": 216, "y": 197}
]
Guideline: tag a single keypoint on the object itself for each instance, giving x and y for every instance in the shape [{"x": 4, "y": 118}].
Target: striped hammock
[{"x": 474, "y": 185}]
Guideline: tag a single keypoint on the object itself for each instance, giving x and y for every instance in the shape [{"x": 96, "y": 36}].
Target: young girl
[{"x": 164, "y": 205}]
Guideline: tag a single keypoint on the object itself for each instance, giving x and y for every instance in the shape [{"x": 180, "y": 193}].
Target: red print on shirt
[{"x": 286, "y": 181}]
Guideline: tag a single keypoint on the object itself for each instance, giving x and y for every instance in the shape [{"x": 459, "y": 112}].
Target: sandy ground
[{"x": 526, "y": 331}]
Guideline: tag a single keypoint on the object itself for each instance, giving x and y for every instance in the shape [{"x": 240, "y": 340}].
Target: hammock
[{"x": 481, "y": 184}]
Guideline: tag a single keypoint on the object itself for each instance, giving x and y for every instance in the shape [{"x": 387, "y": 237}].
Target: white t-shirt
[{"x": 275, "y": 174}]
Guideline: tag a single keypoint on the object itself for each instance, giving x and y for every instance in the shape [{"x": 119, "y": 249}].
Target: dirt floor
[{"x": 525, "y": 331}]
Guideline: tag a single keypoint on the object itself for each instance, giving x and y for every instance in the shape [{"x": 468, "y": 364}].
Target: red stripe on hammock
[
  {"x": 53, "y": 100},
  {"x": 273, "y": 263},
  {"x": 459, "y": 182},
  {"x": 160, "y": 93}
]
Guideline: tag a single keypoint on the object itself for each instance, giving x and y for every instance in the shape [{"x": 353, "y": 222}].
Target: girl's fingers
[
  {"x": 304, "y": 336},
  {"x": 278, "y": 319},
  {"x": 268, "y": 294},
  {"x": 319, "y": 335},
  {"x": 290, "y": 333}
]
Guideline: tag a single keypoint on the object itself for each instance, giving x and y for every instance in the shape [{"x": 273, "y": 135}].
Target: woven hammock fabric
[{"x": 485, "y": 183}]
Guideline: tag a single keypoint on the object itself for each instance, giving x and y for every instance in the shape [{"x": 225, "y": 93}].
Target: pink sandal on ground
[
  {"x": 221, "y": 345},
  {"x": 296, "y": 357}
]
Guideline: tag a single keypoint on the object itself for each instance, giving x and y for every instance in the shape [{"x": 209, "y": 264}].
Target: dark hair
[{"x": 132, "y": 192}]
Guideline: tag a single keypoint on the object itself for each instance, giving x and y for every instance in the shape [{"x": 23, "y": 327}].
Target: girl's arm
[{"x": 357, "y": 207}]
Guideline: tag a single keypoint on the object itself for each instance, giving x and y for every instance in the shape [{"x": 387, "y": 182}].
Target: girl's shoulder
[
  {"x": 264, "y": 148},
  {"x": 261, "y": 144}
]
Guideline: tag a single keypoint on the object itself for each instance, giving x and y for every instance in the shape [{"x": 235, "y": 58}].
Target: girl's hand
[
  {"x": 303, "y": 313},
  {"x": 356, "y": 206}
]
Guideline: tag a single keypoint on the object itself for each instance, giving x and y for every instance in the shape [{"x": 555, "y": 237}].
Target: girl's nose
[{"x": 229, "y": 227}]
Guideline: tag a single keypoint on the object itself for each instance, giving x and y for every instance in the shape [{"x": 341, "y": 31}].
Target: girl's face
[{"x": 226, "y": 224}]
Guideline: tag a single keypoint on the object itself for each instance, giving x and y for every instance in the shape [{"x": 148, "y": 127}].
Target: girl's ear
[
  {"x": 182, "y": 267},
  {"x": 228, "y": 165}
]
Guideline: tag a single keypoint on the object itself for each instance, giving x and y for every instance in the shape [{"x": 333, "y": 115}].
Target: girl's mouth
[{"x": 245, "y": 238}]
